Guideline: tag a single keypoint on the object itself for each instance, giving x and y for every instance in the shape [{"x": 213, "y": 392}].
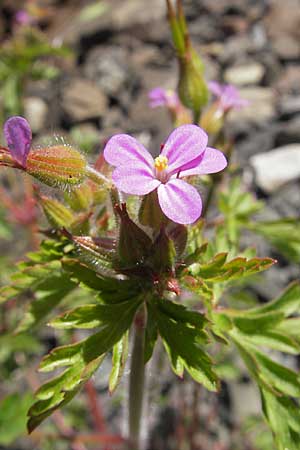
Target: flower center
[{"x": 161, "y": 163}]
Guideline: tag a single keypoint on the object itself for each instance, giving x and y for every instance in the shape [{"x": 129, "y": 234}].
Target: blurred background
[{"x": 80, "y": 71}]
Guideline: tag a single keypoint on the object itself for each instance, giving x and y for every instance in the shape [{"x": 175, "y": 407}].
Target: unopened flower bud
[
  {"x": 81, "y": 198},
  {"x": 192, "y": 88},
  {"x": 212, "y": 120},
  {"x": 58, "y": 215}
]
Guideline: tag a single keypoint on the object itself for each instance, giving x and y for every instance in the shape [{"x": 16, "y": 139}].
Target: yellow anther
[{"x": 161, "y": 163}]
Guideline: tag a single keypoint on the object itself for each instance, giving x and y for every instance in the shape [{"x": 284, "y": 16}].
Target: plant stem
[
  {"x": 97, "y": 177},
  {"x": 137, "y": 381}
]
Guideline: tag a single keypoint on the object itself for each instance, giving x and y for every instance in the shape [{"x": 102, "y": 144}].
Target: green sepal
[
  {"x": 150, "y": 213},
  {"x": 133, "y": 243},
  {"x": 163, "y": 253},
  {"x": 58, "y": 215},
  {"x": 97, "y": 253}
]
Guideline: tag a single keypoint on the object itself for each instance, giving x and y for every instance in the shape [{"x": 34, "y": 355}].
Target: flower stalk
[{"x": 137, "y": 382}]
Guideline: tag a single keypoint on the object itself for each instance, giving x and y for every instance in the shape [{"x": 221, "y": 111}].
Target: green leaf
[
  {"x": 283, "y": 417},
  {"x": 238, "y": 203},
  {"x": 110, "y": 290},
  {"x": 284, "y": 234},
  {"x": 288, "y": 302},
  {"x": 119, "y": 358},
  {"x": 35, "y": 270},
  {"x": 269, "y": 374},
  {"x": 180, "y": 313},
  {"x": 257, "y": 323},
  {"x": 283, "y": 379},
  {"x": 82, "y": 360},
  {"x": 217, "y": 270},
  {"x": 182, "y": 336},
  {"x": 274, "y": 340},
  {"x": 90, "y": 316},
  {"x": 48, "y": 294},
  {"x": 60, "y": 390},
  {"x": 13, "y": 417},
  {"x": 291, "y": 327},
  {"x": 210, "y": 269},
  {"x": 93, "y": 11},
  {"x": 11, "y": 343}
]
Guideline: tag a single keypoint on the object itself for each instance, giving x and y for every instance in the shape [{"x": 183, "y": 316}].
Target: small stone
[
  {"x": 35, "y": 111},
  {"x": 136, "y": 12},
  {"x": 251, "y": 400},
  {"x": 108, "y": 67},
  {"x": 83, "y": 100},
  {"x": 289, "y": 82},
  {"x": 242, "y": 75},
  {"x": 261, "y": 105},
  {"x": 286, "y": 47},
  {"x": 290, "y": 131},
  {"x": 276, "y": 167},
  {"x": 289, "y": 105}
]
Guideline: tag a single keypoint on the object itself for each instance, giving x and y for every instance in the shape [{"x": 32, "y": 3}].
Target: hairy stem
[
  {"x": 97, "y": 177},
  {"x": 137, "y": 382}
]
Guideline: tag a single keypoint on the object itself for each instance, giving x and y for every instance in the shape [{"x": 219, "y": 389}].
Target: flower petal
[
  {"x": 122, "y": 148},
  {"x": 157, "y": 97},
  {"x": 183, "y": 145},
  {"x": 18, "y": 136},
  {"x": 134, "y": 180},
  {"x": 179, "y": 201},
  {"x": 213, "y": 161},
  {"x": 215, "y": 88}
]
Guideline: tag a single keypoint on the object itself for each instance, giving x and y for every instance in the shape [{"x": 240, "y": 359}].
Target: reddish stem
[{"x": 95, "y": 408}]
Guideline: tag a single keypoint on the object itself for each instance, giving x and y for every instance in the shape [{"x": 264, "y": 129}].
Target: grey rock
[
  {"x": 283, "y": 17},
  {"x": 108, "y": 67},
  {"x": 286, "y": 47},
  {"x": 289, "y": 105},
  {"x": 289, "y": 131},
  {"x": 261, "y": 105},
  {"x": 235, "y": 48},
  {"x": 35, "y": 111},
  {"x": 286, "y": 202},
  {"x": 241, "y": 75},
  {"x": 116, "y": 16},
  {"x": 83, "y": 100},
  {"x": 276, "y": 167},
  {"x": 255, "y": 140},
  {"x": 137, "y": 12},
  {"x": 245, "y": 400},
  {"x": 289, "y": 82}
]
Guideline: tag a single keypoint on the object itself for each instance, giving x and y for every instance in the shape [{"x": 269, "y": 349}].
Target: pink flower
[
  {"x": 22, "y": 17},
  {"x": 18, "y": 136},
  {"x": 228, "y": 96},
  {"x": 161, "y": 97},
  {"x": 184, "y": 153}
]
